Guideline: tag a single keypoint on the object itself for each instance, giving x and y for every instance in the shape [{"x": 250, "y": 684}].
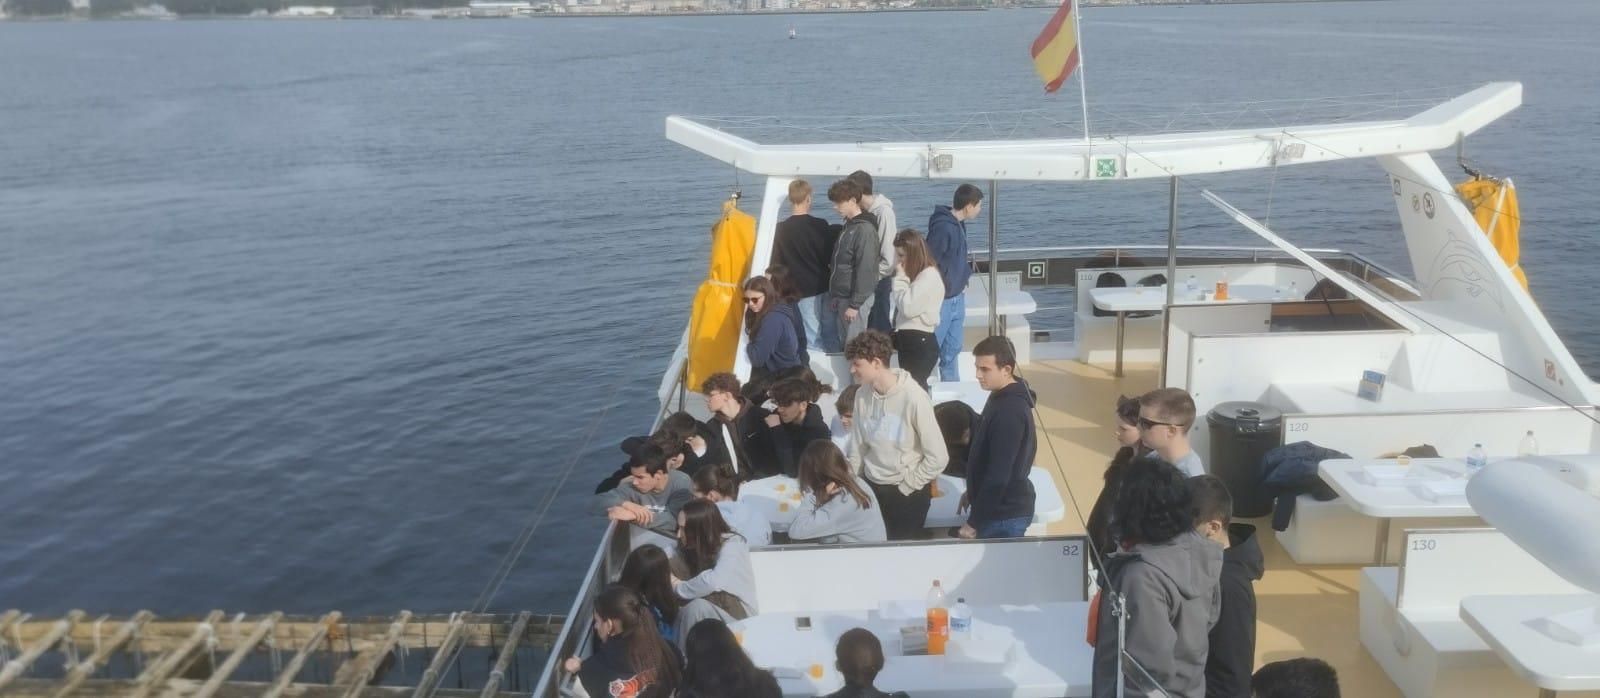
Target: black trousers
[
  {"x": 919, "y": 351},
  {"x": 904, "y": 515}
]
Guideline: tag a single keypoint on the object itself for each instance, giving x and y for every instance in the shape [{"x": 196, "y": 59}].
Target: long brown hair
[
  {"x": 717, "y": 477},
  {"x": 911, "y": 244},
  {"x": 753, "y": 319},
  {"x": 822, "y": 463},
  {"x": 650, "y": 656},
  {"x": 702, "y": 534},
  {"x": 648, "y": 572}
]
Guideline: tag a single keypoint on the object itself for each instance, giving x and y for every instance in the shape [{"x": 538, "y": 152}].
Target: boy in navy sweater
[{"x": 1001, "y": 454}]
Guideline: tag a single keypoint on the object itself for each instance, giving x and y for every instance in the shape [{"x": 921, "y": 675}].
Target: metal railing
[
  {"x": 1058, "y": 265},
  {"x": 573, "y": 641}
]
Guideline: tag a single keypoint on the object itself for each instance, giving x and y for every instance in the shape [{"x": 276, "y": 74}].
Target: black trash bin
[{"x": 1241, "y": 433}]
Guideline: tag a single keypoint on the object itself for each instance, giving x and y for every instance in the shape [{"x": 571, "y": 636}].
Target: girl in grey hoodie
[
  {"x": 1167, "y": 575},
  {"x": 838, "y": 506}
]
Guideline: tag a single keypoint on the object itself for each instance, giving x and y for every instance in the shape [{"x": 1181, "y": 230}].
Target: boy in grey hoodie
[{"x": 1167, "y": 576}]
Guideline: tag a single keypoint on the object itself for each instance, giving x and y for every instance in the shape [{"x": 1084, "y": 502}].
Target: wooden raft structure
[{"x": 273, "y": 655}]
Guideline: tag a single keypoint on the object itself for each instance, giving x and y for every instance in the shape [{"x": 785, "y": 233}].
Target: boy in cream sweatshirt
[{"x": 896, "y": 444}]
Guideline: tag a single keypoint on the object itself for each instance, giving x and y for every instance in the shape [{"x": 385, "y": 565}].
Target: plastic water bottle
[
  {"x": 1476, "y": 459},
  {"x": 1529, "y": 446},
  {"x": 1294, "y": 291},
  {"x": 1192, "y": 288},
  {"x": 938, "y": 619},
  {"x": 961, "y": 619}
]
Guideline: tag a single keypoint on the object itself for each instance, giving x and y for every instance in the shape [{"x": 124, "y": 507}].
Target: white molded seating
[
  {"x": 1331, "y": 533},
  {"x": 1410, "y": 615},
  {"x": 1328, "y": 533}
]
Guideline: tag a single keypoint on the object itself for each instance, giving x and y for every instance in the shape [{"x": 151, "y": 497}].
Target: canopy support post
[
  {"x": 994, "y": 257},
  {"x": 1172, "y": 273}
]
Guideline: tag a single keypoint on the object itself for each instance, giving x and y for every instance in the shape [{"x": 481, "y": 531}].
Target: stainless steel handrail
[{"x": 574, "y": 633}]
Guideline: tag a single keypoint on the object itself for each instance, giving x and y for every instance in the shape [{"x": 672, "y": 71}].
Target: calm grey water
[{"x": 310, "y": 315}]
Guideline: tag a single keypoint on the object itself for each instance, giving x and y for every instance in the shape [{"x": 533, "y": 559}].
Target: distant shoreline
[
  {"x": 849, "y": 11},
  {"x": 698, "y": 13}
]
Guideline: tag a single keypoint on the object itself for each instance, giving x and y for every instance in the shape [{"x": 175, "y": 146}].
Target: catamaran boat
[{"x": 1425, "y": 576}]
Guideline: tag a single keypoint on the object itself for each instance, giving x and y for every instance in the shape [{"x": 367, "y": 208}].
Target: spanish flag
[{"x": 1055, "y": 52}]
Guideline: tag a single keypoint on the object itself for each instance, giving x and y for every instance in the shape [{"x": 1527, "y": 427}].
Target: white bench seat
[
  {"x": 1410, "y": 615},
  {"x": 1331, "y": 533}
]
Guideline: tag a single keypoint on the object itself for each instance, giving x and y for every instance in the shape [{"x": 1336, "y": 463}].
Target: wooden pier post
[
  {"x": 16, "y": 667},
  {"x": 289, "y": 672}
]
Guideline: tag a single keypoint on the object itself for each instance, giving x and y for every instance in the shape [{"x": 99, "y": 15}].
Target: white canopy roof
[{"x": 1111, "y": 157}]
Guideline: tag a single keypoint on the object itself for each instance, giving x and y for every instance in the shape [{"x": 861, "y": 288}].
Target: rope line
[{"x": 520, "y": 544}]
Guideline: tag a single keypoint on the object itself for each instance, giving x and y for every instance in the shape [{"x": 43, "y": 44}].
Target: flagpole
[{"x": 1083, "y": 88}]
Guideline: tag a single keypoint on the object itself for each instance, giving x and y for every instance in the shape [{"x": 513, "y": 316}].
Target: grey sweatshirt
[
  {"x": 839, "y": 520},
  {"x": 883, "y": 210},
  {"x": 855, "y": 261},
  {"x": 664, "y": 504},
  {"x": 732, "y": 573},
  {"x": 1173, "y": 599}
]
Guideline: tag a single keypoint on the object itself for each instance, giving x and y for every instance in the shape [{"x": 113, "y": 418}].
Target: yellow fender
[
  {"x": 716, "y": 316},
  {"x": 1494, "y": 206}
]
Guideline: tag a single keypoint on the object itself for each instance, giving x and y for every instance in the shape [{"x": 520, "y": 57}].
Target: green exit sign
[{"x": 1106, "y": 168}]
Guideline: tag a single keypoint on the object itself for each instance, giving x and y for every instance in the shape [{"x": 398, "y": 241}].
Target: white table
[
  {"x": 1401, "y": 499},
  {"x": 1132, "y": 299},
  {"x": 778, "y": 498},
  {"x": 1048, "y": 506},
  {"x": 966, "y": 391},
  {"x": 1506, "y": 624},
  {"x": 1045, "y": 659},
  {"x": 1006, "y": 303}
]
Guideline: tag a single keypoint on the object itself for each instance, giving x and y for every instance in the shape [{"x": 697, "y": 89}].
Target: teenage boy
[
  {"x": 859, "y": 659},
  {"x": 1164, "y": 575},
  {"x": 804, "y": 244},
  {"x": 854, "y": 274},
  {"x": 794, "y": 424},
  {"x": 738, "y": 428},
  {"x": 651, "y": 495},
  {"x": 896, "y": 444},
  {"x": 1002, "y": 449},
  {"x": 883, "y": 210},
  {"x": 947, "y": 240},
  {"x": 1233, "y": 639},
  {"x": 1306, "y": 677},
  {"x": 1165, "y": 415},
  {"x": 662, "y": 444},
  {"x": 845, "y": 406}
]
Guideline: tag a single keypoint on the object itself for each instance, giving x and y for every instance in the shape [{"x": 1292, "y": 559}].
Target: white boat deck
[{"x": 1302, "y": 611}]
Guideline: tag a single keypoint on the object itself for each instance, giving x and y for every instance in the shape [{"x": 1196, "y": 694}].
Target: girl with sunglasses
[{"x": 769, "y": 323}]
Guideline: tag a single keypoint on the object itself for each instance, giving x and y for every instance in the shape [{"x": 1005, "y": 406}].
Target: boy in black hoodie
[
  {"x": 1001, "y": 453},
  {"x": 1233, "y": 638}
]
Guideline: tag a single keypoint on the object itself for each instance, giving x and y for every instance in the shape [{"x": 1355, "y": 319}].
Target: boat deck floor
[{"x": 1302, "y": 611}]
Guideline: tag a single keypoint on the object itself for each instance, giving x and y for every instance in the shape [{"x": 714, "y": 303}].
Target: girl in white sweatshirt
[{"x": 918, "y": 293}]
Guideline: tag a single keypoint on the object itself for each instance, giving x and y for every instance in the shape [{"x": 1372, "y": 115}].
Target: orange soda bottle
[
  {"x": 938, "y": 619},
  {"x": 1222, "y": 287}
]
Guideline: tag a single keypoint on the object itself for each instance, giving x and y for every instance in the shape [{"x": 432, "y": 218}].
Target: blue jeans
[
  {"x": 952, "y": 314},
  {"x": 811, "y": 312},
  {"x": 828, "y": 338},
  {"x": 1005, "y": 528},
  {"x": 879, "y": 319}
]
